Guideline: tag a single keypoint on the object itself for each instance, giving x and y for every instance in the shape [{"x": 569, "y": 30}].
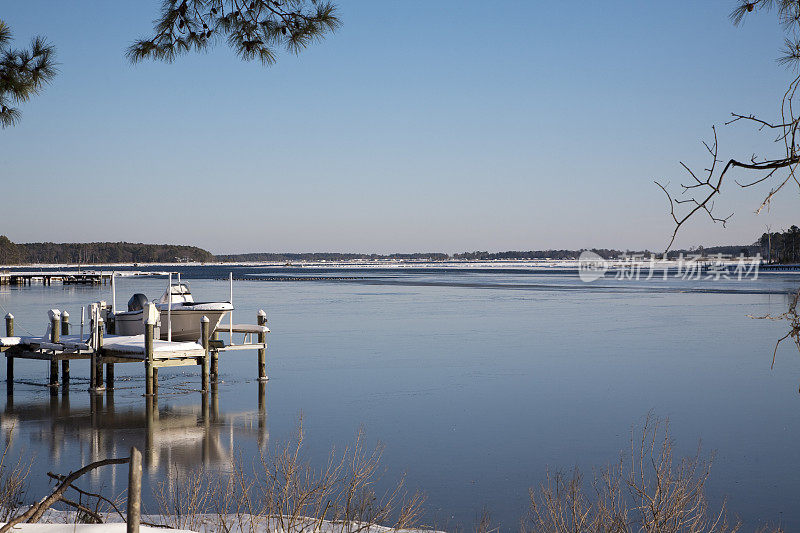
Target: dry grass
[
  {"x": 184, "y": 498},
  {"x": 287, "y": 493},
  {"x": 648, "y": 490},
  {"x": 13, "y": 481}
]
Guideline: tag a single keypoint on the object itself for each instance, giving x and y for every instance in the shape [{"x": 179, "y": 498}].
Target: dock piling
[
  {"x": 134, "y": 491},
  {"x": 262, "y": 338},
  {"x": 65, "y": 362},
  {"x": 214, "y": 359},
  {"x": 109, "y": 375},
  {"x": 55, "y": 337},
  {"x": 204, "y": 328},
  {"x": 150, "y": 375},
  {"x": 9, "y": 358},
  {"x": 97, "y": 364},
  {"x": 64, "y": 323}
]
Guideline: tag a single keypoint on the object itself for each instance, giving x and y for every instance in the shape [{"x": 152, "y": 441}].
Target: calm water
[{"x": 477, "y": 382}]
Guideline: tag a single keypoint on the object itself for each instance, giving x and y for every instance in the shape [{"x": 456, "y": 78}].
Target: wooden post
[
  {"x": 55, "y": 336},
  {"x": 214, "y": 402},
  {"x": 9, "y": 359},
  {"x": 93, "y": 337},
  {"x": 204, "y": 327},
  {"x": 64, "y": 323},
  {"x": 262, "y": 398},
  {"x": 148, "y": 357},
  {"x": 109, "y": 375},
  {"x": 65, "y": 362},
  {"x": 206, "y": 442},
  {"x": 134, "y": 491},
  {"x": 214, "y": 359},
  {"x": 150, "y": 418},
  {"x": 262, "y": 437},
  {"x": 97, "y": 384},
  {"x": 262, "y": 338}
]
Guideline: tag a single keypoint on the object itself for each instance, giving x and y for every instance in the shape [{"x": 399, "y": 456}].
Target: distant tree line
[
  {"x": 785, "y": 248},
  {"x": 530, "y": 255},
  {"x": 97, "y": 252},
  {"x": 781, "y": 247},
  {"x": 327, "y": 256}
]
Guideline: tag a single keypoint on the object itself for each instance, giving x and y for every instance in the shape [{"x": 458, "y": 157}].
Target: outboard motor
[{"x": 137, "y": 302}]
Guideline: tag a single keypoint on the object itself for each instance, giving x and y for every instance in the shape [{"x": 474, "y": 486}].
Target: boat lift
[{"x": 103, "y": 347}]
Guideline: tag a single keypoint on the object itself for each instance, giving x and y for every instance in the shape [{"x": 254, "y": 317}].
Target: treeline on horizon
[
  {"x": 97, "y": 252},
  {"x": 735, "y": 250},
  {"x": 781, "y": 247},
  {"x": 785, "y": 247}
]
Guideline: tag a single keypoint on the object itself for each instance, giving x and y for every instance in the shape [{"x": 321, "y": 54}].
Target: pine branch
[
  {"x": 23, "y": 73},
  {"x": 254, "y": 29}
]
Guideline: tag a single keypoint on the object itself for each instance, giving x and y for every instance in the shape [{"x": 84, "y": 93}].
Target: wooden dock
[
  {"x": 780, "y": 267},
  {"x": 104, "y": 350},
  {"x": 72, "y": 277}
]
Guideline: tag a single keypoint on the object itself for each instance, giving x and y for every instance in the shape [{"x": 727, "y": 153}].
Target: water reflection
[{"x": 175, "y": 437}]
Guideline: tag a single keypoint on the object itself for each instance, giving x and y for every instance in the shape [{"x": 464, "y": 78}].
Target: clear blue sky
[{"x": 420, "y": 125}]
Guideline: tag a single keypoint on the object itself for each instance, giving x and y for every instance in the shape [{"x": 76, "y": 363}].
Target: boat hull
[{"x": 185, "y": 322}]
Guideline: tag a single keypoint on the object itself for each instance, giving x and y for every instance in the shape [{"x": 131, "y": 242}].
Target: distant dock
[
  {"x": 780, "y": 267},
  {"x": 74, "y": 277}
]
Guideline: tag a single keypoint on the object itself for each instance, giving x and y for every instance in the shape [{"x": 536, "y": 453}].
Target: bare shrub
[
  {"x": 483, "y": 524},
  {"x": 184, "y": 498},
  {"x": 647, "y": 491},
  {"x": 286, "y": 493},
  {"x": 13, "y": 481},
  {"x": 792, "y": 317},
  {"x": 342, "y": 492}
]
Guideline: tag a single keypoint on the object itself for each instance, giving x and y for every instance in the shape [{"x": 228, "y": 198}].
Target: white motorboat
[{"x": 179, "y": 314}]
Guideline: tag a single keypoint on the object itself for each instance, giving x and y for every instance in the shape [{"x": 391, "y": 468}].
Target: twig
[
  {"x": 83, "y": 509},
  {"x": 35, "y": 512},
  {"x": 59, "y": 477}
]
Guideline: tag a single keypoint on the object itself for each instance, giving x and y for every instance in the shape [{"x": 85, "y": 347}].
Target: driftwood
[
  {"x": 35, "y": 512},
  {"x": 82, "y": 508},
  {"x": 80, "y": 491}
]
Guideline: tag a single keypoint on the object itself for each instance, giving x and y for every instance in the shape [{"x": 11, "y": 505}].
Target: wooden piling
[
  {"x": 214, "y": 359},
  {"x": 9, "y": 359},
  {"x": 134, "y": 491},
  {"x": 97, "y": 365},
  {"x": 262, "y": 338},
  {"x": 204, "y": 328},
  {"x": 64, "y": 323},
  {"x": 148, "y": 358},
  {"x": 262, "y": 437},
  {"x": 55, "y": 337},
  {"x": 151, "y": 408},
  {"x": 109, "y": 375},
  {"x": 65, "y": 362},
  {"x": 93, "y": 336}
]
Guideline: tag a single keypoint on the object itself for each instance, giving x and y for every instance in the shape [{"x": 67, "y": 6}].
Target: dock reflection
[{"x": 178, "y": 437}]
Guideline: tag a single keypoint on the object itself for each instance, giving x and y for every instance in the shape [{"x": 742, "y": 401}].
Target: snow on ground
[
  {"x": 55, "y": 521},
  {"x": 85, "y": 528}
]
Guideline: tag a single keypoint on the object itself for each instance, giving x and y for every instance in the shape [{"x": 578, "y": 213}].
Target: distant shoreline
[{"x": 376, "y": 263}]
